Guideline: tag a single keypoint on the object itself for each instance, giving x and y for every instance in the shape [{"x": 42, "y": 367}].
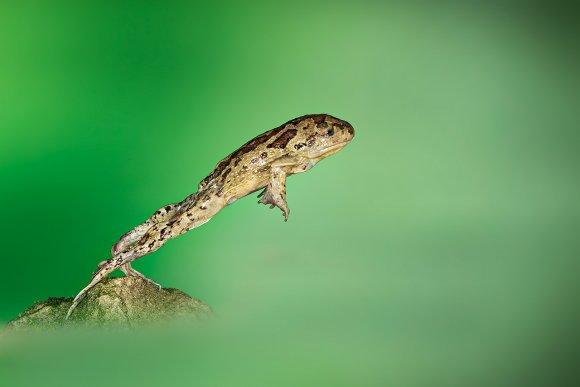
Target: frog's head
[{"x": 321, "y": 135}]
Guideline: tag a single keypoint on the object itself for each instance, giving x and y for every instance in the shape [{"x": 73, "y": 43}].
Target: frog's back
[
  {"x": 249, "y": 158},
  {"x": 249, "y": 165}
]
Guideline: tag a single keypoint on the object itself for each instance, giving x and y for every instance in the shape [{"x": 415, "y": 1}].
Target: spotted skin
[{"x": 262, "y": 163}]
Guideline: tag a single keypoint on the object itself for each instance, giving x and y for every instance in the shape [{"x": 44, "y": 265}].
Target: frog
[{"x": 263, "y": 163}]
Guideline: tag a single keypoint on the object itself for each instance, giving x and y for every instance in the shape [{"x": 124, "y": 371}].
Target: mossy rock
[{"x": 122, "y": 302}]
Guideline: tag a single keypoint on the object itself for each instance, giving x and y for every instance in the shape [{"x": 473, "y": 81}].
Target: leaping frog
[{"x": 262, "y": 163}]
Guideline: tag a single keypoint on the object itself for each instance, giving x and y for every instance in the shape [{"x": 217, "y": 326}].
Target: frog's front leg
[{"x": 275, "y": 192}]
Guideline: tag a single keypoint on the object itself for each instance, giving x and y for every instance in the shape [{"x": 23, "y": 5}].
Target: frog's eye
[{"x": 330, "y": 132}]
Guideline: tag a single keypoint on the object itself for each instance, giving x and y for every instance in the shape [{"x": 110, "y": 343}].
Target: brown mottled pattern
[
  {"x": 283, "y": 139},
  {"x": 318, "y": 117},
  {"x": 350, "y": 129},
  {"x": 226, "y": 173},
  {"x": 341, "y": 124},
  {"x": 262, "y": 163},
  {"x": 246, "y": 148},
  {"x": 276, "y": 139}
]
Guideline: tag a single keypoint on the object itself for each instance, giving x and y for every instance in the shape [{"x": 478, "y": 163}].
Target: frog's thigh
[
  {"x": 197, "y": 217},
  {"x": 155, "y": 237},
  {"x": 161, "y": 215},
  {"x": 165, "y": 213}
]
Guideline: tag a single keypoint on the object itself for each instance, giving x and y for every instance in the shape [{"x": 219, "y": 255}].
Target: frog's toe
[
  {"x": 158, "y": 286},
  {"x": 266, "y": 198},
  {"x": 273, "y": 201},
  {"x": 130, "y": 272}
]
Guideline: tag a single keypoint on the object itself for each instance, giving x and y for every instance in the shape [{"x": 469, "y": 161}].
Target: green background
[{"x": 439, "y": 248}]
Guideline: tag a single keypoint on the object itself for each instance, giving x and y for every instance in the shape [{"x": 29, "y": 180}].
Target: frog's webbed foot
[
  {"x": 275, "y": 192},
  {"x": 130, "y": 272},
  {"x": 103, "y": 270}
]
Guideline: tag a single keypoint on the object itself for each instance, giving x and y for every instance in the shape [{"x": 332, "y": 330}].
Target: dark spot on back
[
  {"x": 319, "y": 120},
  {"x": 296, "y": 121},
  {"x": 226, "y": 173},
  {"x": 315, "y": 117},
  {"x": 246, "y": 148},
  {"x": 311, "y": 140},
  {"x": 282, "y": 140},
  {"x": 263, "y": 155}
]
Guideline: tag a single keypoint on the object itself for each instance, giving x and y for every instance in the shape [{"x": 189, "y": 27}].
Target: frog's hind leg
[
  {"x": 161, "y": 215},
  {"x": 155, "y": 237},
  {"x": 130, "y": 272},
  {"x": 151, "y": 241},
  {"x": 103, "y": 270}
]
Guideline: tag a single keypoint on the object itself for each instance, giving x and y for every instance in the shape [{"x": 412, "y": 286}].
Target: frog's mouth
[{"x": 328, "y": 151}]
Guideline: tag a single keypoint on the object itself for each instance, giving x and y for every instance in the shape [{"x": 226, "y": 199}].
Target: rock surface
[{"x": 121, "y": 302}]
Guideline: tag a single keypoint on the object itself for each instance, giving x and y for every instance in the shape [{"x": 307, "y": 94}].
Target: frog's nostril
[{"x": 350, "y": 129}]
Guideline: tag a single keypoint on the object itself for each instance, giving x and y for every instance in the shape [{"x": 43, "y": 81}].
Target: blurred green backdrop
[{"x": 439, "y": 248}]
